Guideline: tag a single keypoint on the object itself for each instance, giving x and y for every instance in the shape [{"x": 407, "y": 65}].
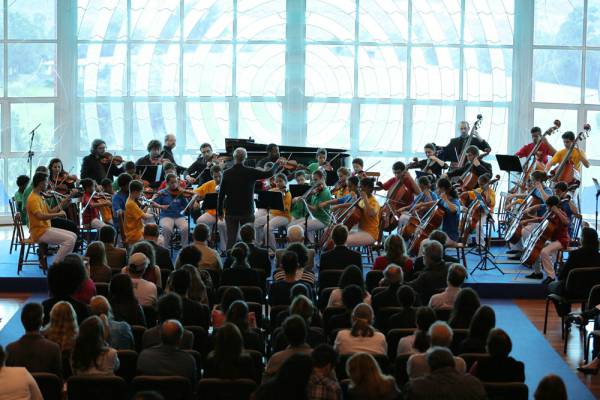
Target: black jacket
[
  {"x": 339, "y": 258},
  {"x": 237, "y": 189},
  {"x": 35, "y": 353},
  {"x": 199, "y": 170},
  {"x": 195, "y": 313},
  {"x": 429, "y": 280},
  {"x": 168, "y": 154},
  {"x": 386, "y": 298},
  {"x": 147, "y": 171},
  {"x": 580, "y": 258},
  {"x": 496, "y": 369},
  {"x": 482, "y": 169},
  {"x": 92, "y": 168},
  {"x": 240, "y": 276},
  {"x": 456, "y": 146},
  {"x": 162, "y": 257}
]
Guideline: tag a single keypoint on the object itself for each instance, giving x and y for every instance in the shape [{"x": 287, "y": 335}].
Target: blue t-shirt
[
  {"x": 450, "y": 222},
  {"x": 536, "y": 193},
  {"x": 118, "y": 203},
  {"x": 176, "y": 204},
  {"x": 422, "y": 199}
]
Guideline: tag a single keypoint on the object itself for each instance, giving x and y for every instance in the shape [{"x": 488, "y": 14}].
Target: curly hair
[{"x": 62, "y": 328}]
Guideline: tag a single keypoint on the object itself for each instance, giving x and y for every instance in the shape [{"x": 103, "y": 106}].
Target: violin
[
  {"x": 109, "y": 159},
  {"x": 187, "y": 193},
  {"x": 292, "y": 165}
]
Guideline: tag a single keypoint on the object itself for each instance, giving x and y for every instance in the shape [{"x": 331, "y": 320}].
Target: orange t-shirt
[
  {"x": 206, "y": 188},
  {"x": 287, "y": 206},
  {"x": 134, "y": 222}
]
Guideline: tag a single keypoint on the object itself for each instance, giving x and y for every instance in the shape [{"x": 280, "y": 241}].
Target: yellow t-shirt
[
  {"x": 134, "y": 222},
  {"x": 366, "y": 223},
  {"x": 341, "y": 192},
  {"x": 490, "y": 196},
  {"x": 287, "y": 206},
  {"x": 37, "y": 227},
  {"x": 576, "y": 157},
  {"x": 206, "y": 188},
  {"x": 106, "y": 213}
]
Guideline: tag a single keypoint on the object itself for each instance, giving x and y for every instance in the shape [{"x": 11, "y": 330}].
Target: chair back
[
  {"x": 102, "y": 288},
  {"x": 251, "y": 293},
  {"x": 472, "y": 358},
  {"x": 151, "y": 315},
  {"x": 372, "y": 279},
  {"x": 400, "y": 371},
  {"x": 201, "y": 340},
  {"x": 121, "y": 222},
  {"x": 138, "y": 334},
  {"x": 257, "y": 309},
  {"x": 329, "y": 278},
  {"x": 393, "y": 338},
  {"x": 594, "y": 298},
  {"x": 96, "y": 388},
  {"x": 226, "y": 389},
  {"x": 274, "y": 322},
  {"x": 259, "y": 365},
  {"x": 580, "y": 282},
  {"x": 197, "y": 359},
  {"x": 164, "y": 276},
  {"x": 443, "y": 315},
  {"x": 382, "y": 361},
  {"x": 50, "y": 385},
  {"x": 330, "y": 312},
  {"x": 171, "y": 387},
  {"x": 324, "y": 296},
  {"x": 127, "y": 364},
  {"x": 382, "y": 316},
  {"x": 506, "y": 390}
]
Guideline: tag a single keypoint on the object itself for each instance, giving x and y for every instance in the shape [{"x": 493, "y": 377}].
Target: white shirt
[
  {"x": 145, "y": 291},
  {"x": 444, "y": 300},
  {"x": 335, "y": 299},
  {"x": 405, "y": 345},
  {"x": 345, "y": 343},
  {"x": 16, "y": 383},
  {"x": 107, "y": 364}
]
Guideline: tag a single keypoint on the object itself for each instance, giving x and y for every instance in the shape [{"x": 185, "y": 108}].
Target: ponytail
[{"x": 362, "y": 328}]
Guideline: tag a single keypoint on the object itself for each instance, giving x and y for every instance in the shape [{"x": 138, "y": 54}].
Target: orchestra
[{"x": 453, "y": 190}]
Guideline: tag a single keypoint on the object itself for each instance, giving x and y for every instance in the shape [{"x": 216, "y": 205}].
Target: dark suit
[
  {"x": 163, "y": 257},
  {"x": 199, "y": 170},
  {"x": 496, "y": 369},
  {"x": 482, "y": 169},
  {"x": 147, "y": 170},
  {"x": 35, "y": 353},
  {"x": 456, "y": 146},
  {"x": 152, "y": 338},
  {"x": 81, "y": 309},
  {"x": 429, "y": 280},
  {"x": 580, "y": 258},
  {"x": 445, "y": 383},
  {"x": 195, "y": 313},
  {"x": 339, "y": 258},
  {"x": 386, "y": 298},
  {"x": 163, "y": 360},
  {"x": 240, "y": 276}
]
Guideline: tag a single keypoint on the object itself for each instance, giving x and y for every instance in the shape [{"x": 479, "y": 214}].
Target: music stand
[
  {"x": 509, "y": 163},
  {"x": 299, "y": 191},
  {"x": 486, "y": 255},
  {"x": 155, "y": 172},
  {"x": 597, "y": 194},
  {"x": 210, "y": 203},
  {"x": 269, "y": 201}
]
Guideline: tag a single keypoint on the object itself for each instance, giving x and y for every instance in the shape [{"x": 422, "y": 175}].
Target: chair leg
[
  {"x": 586, "y": 347},
  {"x": 13, "y": 242},
  {"x": 567, "y": 330},
  {"x": 21, "y": 259},
  {"x": 546, "y": 316}
]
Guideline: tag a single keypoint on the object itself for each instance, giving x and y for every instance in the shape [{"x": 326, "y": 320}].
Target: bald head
[
  {"x": 99, "y": 305},
  {"x": 171, "y": 332},
  {"x": 440, "y": 334},
  {"x": 239, "y": 155},
  {"x": 170, "y": 140}
]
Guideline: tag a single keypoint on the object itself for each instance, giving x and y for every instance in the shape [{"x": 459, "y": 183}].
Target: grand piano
[{"x": 303, "y": 155}]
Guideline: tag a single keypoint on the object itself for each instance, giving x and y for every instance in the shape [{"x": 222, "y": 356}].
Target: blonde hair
[
  {"x": 395, "y": 249},
  {"x": 366, "y": 377},
  {"x": 62, "y": 328},
  {"x": 96, "y": 252},
  {"x": 362, "y": 317}
]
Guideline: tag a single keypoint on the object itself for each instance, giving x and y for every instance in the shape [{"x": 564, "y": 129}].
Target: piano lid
[{"x": 252, "y": 147}]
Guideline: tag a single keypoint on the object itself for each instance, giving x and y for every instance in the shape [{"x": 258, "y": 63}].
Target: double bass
[
  {"x": 566, "y": 171},
  {"x": 463, "y": 154},
  {"x": 432, "y": 220}
]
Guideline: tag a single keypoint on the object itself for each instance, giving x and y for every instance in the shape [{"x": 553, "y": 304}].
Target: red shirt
[
  {"x": 406, "y": 181},
  {"x": 90, "y": 212},
  {"x": 561, "y": 233},
  {"x": 163, "y": 185},
  {"x": 382, "y": 261},
  {"x": 525, "y": 151}
]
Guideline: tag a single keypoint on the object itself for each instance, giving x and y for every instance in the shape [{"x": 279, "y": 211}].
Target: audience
[
  {"x": 145, "y": 291},
  {"x": 99, "y": 269},
  {"x": 433, "y": 276},
  {"x": 499, "y": 367},
  {"x": 366, "y": 380},
  {"x": 32, "y": 350},
  {"x": 406, "y": 318},
  {"x": 294, "y": 329},
  {"x": 228, "y": 360},
  {"x": 352, "y": 275},
  {"x": 152, "y": 272},
  {"x": 258, "y": 257},
  {"x": 17, "y": 382},
  {"x": 240, "y": 273},
  {"x": 169, "y": 308},
  {"x": 303, "y": 307},
  {"x": 352, "y": 296},
  {"x": 238, "y": 315},
  {"x": 393, "y": 277},
  {"x": 219, "y": 311},
  {"x": 116, "y": 257},
  {"x": 123, "y": 301},
  {"x": 482, "y": 323},
  {"x": 118, "y": 333},
  {"x": 444, "y": 381},
  {"x": 440, "y": 237},
  {"x": 210, "y": 258},
  {"x": 189, "y": 255},
  {"x": 551, "y": 387},
  {"x": 87, "y": 288},
  {"x": 167, "y": 358},
  {"x": 290, "y": 381},
  {"x": 295, "y": 236},
  {"x": 280, "y": 289},
  {"x": 302, "y": 274},
  {"x": 418, "y": 342},
  {"x": 200, "y": 283},
  {"x": 394, "y": 253},
  {"x": 64, "y": 279},
  {"x": 323, "y": 383},
  {"x": 465, "y": 306},
  {"x": 362, "y": 337},
  {"x": 194, "y": 312},
  {"x": 91, "y": 355},
  {"x": 340, "y": 256},
  {"x": 63, "y": 327},
  {"x": 162, "y": 255},
  {"x": 445, "y": 300}
]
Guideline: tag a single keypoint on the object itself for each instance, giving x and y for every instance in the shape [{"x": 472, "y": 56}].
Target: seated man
[
  {"x": 393, "y": 277},
  {"x": 145, "y": 291},
  {"x": 162, "y": 255},
  {"x": 341, "y": 256},
  {"x": 169, "y": 307},
  {"x": 210, "y": 258},
  {"x": 116, "y": 257},
  {"x": 258, "y": 257},
  {"x": 294, "y": 329},
  {"x": 445, "y": 300},
  {"x": 295, "y": 234},
  {"x": 433, "y": 277}
]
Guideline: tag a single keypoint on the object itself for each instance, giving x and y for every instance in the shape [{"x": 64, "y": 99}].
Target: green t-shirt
[
  {"x": 322, "y": 214},
  {"x": 312, "y": 167},
  {"x": 25, "y": 196}
]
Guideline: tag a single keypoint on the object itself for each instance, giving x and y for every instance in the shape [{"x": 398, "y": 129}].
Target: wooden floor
[{"x": 534, "y": 310}]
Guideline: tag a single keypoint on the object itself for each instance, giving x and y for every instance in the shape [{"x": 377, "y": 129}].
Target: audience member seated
[
  {"x": 290, "y": 381},
  {"x": 352, "y": 275},
  {"x": 91, "y": 355},
  {"x": 228, "y": 360},
  {"x": 303, "y": 307},
  {"x": 394, "y": 253},
  {"x": 280, "y": 289},
  {"x": 440, "y": 237},
  {"x": 87, "y": 289},
  {"x": 302, "y": 273},
  {"x": 99, "y": 269},
  {"x": 418, "y": 342},
  {"x": 32, "y": 350},
  {"x": 407, "y": 317},
  {"x": 64, "y": 279},
  {"x": 169, "y": 307},
  {"x": 239, "y": 273},
  {"x": 238, "y": 315},
  {"x": 440, "y": 335},
  {"x": 145, "y": 291},
  {"x": 194, "y": 312},
  {"x": 465, "y": 306},
  {"x": 352, "y": 296},
  {"x": 167, "y": 358},
  {"x": 340, "y": 256},
  {"x": 294, "y": 330},
  {"x": 258, "y": 257},
  {"x": 219, "y": 311},
  {"x": 323, "y": 383},
  {"x": 551, "y": 387},
  {"x": 433, "y": 277},
  {"x": 118, "y": 333},
  {"x": 295, "y": 235},
  {"x": 148, "y": 395},
  {"x": 482, "y": 323},
  {"x": 445, "y": 300},
  {"x": 152, "y": 272},
  {"x": 189, "y": 255},
  {"x": 362, "y": 337},
  {"x": 210, "y": 257},
  {"x": 63, "y": 327},
  {"x": 17, "y": 382},
  {"x": 200, "y": 284},
  {"x": 499, "y": 367},
  {"x": 444, "y": 381},
  {"x": 162, "y": 255},
  {"x": 392, "y": 279},
  {"x": 366, "y": 380},
  {"x": 116, "y": 257},
  {"x": 297, "y": 290},
  {"x": 125, "y": 305}
]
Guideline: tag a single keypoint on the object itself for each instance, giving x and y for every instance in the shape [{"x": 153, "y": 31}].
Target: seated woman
[
  {"x": 17, "y": 382},
  {"x": 99, "y": 269},
  {"x": 482, "y": 323},
  {"x": 91, "y": 355},
  {"x": 352, "y": 275},
  {"x": 87, "y": 289},
  {"x": 366, "y": 380},
  {"x": 122, "y": 299},
  {"x": 228, "y": 360},
  {"x": 303, "y": 307},
  {"x": 466, "y": 304},
  {"x": 152, "y": 273},
  {"x": 238, "y": 315},
  {"x": 362, "y": 337},
  {"x": 280, "y": 289},
  {"x": 418, "y": 342},
  {"x": 499, "y": 367},
  {"x": 63, "y": 327},
  {"x": 219, "y": 311},
  {"x": 395, "y": 253},
  {"x": 295, "y": 235}
]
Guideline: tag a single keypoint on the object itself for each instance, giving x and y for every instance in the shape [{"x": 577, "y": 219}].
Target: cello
[
  {"x": 397, "y": 197},
  {"x": 566, "y": 170},
  {"x": 432, "y": 220},
  {"x": 475, "y": 212},
  {"x": 349, "y": 216},
  {"x": 515, "y": 228}
]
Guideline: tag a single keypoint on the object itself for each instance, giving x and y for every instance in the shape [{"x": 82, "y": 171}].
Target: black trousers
[{"x": 233, "y": 223}]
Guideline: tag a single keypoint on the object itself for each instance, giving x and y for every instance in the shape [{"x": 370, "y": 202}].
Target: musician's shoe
[
  {"x": 535, "y": 275},
  {"x": 547, "y": 280},
  {"x": 514, "y": 251},
  {"x": 517, "y": 257}
]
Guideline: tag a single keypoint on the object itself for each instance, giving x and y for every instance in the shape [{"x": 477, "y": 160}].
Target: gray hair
[
  {"x": 295, "y": 233},
  {"x": 239, "y": 155},
  {"x": 439, "y": 357},
  {"x": 440, "y": 334},
  {"x": 433, "y": 250},
  {"x": 393, "y": 274},
  {"x": 171, "y": 332}
]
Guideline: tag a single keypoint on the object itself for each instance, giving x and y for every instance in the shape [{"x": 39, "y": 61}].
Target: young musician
[
  {"x": 455, "y": 147},
  {"x": 106, "y": 212},
  {"x": 546, "y": 149},
  {"x": 19, "y": 197},
  {"x": 298, "y": 206},
  {"x": 420, "y": 204},
  {"x": 135, "y": 215},
  {"x": 352, "y": 185},
  {"x": 358, "y": 166},
  {"x": 171, "y": 168},
  {"x": 171, "y": 203},
  {"x": 120, "y": 198},
  {"x": 272, "y": 156},
  {"x": 488, "y": 196},
  {"x": 92, "y": 166},
  {"x": 321, "y": 162},
  {"x": 210, "y": 216},
  {"x": 277, "y": 218},
  {"x": 341, "y": 187},
  {"x": 199, "y": 171},
  {"x": 451, "y": 205},
  {"x": 317, "y": 204},
  {"x": 577, "y": 156},
  {"x": 368, "y": 225},
  {"x": 39, "y": 215},
  {"x": 473, "y": 163},
  {"x": 431, "y": 164},
  {"x": 149, "y": 164},
  {"x": 91, "y": 204},
  {"x": 401, "y": 173}
]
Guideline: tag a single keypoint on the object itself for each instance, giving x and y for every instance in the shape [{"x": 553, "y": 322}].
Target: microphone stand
[{"x": 30, "y": 152}]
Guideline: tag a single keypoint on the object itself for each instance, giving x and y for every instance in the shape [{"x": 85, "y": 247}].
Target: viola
[
  {"x": 108, "y": 159},
  {"x": 292, "y": 165}
]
